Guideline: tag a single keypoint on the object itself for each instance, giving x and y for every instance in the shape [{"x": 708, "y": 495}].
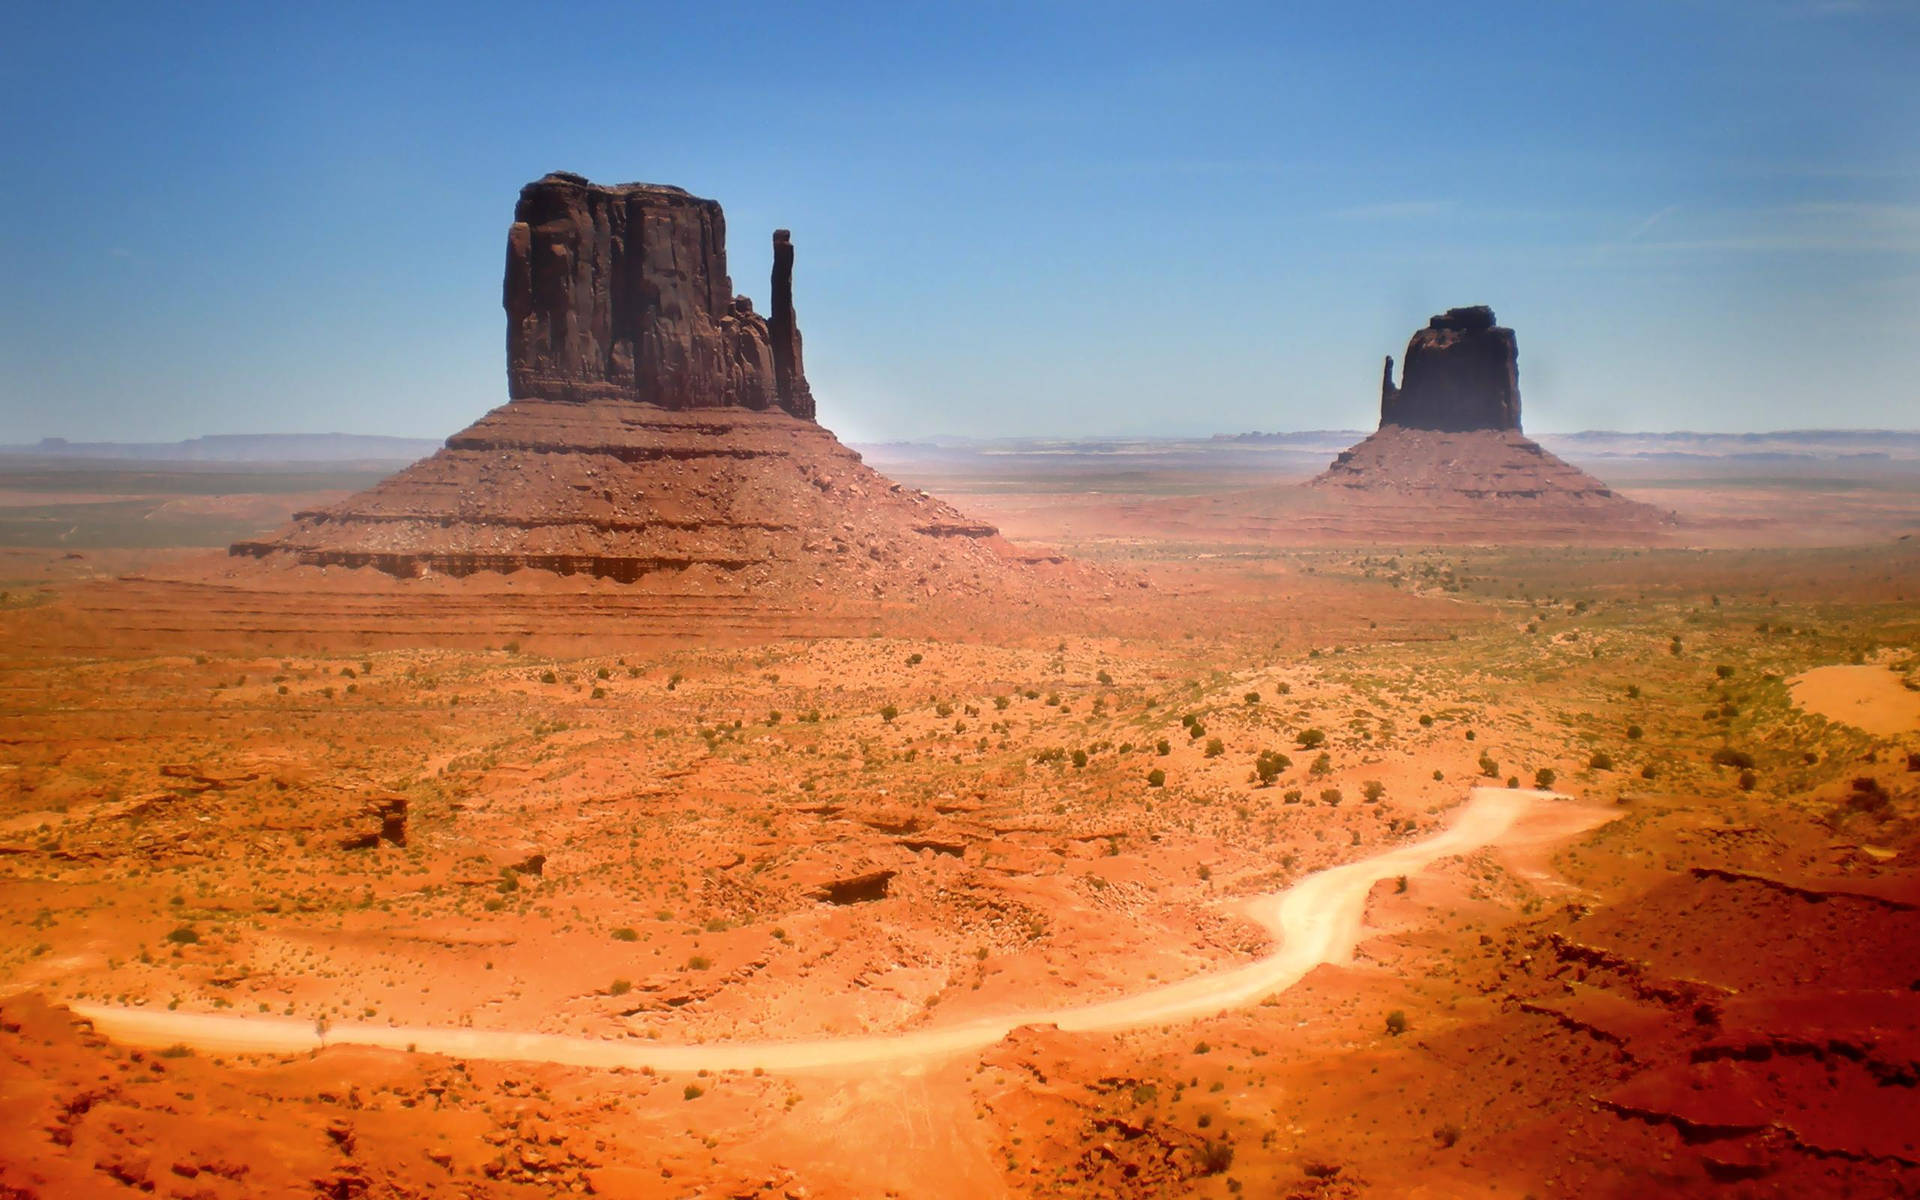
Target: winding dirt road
[{"x": 1315, "y": 921}]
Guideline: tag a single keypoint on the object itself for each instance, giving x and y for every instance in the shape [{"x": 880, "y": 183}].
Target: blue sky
[{"x": 1035, "y": 218}]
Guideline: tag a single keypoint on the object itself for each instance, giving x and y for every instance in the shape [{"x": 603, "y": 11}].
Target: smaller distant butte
[{"x": 1449, "y": 458}]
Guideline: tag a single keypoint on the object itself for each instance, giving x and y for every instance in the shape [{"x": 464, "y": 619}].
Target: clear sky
[{"x": 1023, "y": 218}]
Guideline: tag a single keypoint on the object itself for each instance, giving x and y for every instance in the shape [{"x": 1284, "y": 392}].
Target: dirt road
[{"x": 1315, "y": 921}]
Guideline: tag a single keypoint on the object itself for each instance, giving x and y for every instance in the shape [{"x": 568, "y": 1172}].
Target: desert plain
[{"x": 314, "y": 881}]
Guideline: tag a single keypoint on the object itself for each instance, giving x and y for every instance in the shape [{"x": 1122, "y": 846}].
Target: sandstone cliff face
[
  {"x": 622, "y": 293},
  {"x": 1462, "y": 373}
]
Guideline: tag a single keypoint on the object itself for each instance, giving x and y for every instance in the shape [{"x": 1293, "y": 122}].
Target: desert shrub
[
  {"x": 889, "y": 712},
  {"x": 693, "y": 1091},
  {"x": 1867, "y": 795},
  {"x": 1400, "y": 884},
  {"x": 1396, "y": 1022},
  {"x": 1308, "y": 739},
  {"x": 1513, "y": 781},
  {"x": 1293, "y": 796},
  {"x": 1447, "y": 1135},
  {"x": 1633, "y": 691},
  {"x": 1156, "y": 778},
  {"x": 626, "y": 933},
  {"x": 1104, "y": 679},
  {"x": 603, "y": 673},
  {"x": 1269, "y": 765},
  {"x": 1748, "y": 781},
  {"x": 1649, "y": 772},
  {"x": 1437, "y": 775},
  {"x": 1723, "y": 671},
  {"x": 185, "y": 935},
  {"x": 1215, "y": 747},
  {"x": 1196, "y": 731},
  {"x": 1544, "y": 777},
  {"x": 1600, "y": 762},
  {"x": 619, "y": 987},
  {"x": 1163, "y": 746},
  {"x": 1373, "y": 790},
  {"x": 915, "y": 659},
  {"x": 1488, "y": 767},
  {"x": 1727, "y": 756},
  {"x": 1079, "y": 758},
  {"x": 1322, "y": 764},
  {"x": 1635, "y": 733},
  {"x": 599, "y": 693},
  {"x": 1330, "y": 796},
  {"x": 1204, "y": 873},
  {"x": 1426, "y": 720},
  {"x": 1215, "y": 1157},
  {"x": 1000, "y": 703},
  {"x": 699, "y": 962},
  {"x": 549, "y": 677}
]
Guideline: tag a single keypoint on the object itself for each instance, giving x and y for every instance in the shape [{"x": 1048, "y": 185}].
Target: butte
[
  {"x": 1449, "y": 460},
  {"x": 656, "y": 471}
]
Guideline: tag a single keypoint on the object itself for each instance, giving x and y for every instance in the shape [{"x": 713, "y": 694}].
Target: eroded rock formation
[
  {"x": 1462, "y": 373},
  {"x": 1449, "y": 460},
  {"x": 658, "y": 429},
  {"x": 622, "y": 293}
]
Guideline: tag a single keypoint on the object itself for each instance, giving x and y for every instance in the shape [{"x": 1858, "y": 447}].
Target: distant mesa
[
  {"x": 1449, "y": 457},
  {"x": 657, "y": 426}
]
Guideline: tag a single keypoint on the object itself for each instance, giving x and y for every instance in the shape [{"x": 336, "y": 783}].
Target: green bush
[
  {"x": 1269, "y": 765},
  {"x": 1215, "y": 747},
  {"x": 1600, "y": 762},
  {"x": 1544, "y": 777},
  {"x": 1396, "y": 1022},
  {"x": 1156, "y": 778},
  {"x": 1488, "y": 767},
  {"x": 185, "y": 935},
  {"x": 626, "y": 934},
  {"x": 1330, "y": 796},
  {"x": 1373, "y": 790},
  {"x": 1311, "y": 738}
]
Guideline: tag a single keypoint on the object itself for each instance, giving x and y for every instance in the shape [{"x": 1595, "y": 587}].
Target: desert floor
[{"x": 464, "y": 817}]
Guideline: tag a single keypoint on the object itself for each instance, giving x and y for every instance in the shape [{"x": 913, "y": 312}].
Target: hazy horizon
[{"x": 1070, "y": 221}]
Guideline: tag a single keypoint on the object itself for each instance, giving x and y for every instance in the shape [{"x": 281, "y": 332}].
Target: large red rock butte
[
  {"x": 657, "y": 428},
  {"x": 1449, "y": 459}
]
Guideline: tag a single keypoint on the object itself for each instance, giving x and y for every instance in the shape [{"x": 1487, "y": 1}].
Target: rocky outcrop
[
  {"x": 1449, "y": 461},
  {"x": 622, "y": 293},
  {"x": 1462, "y": 373},
  {"x": 659, "y": 433},
  {"x": 789, "y": 375}
]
